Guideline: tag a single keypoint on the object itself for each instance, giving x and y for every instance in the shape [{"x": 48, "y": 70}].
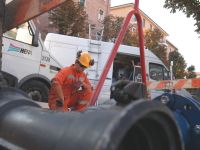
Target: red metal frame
[
  {"x": 121, "y": 34},
  {"x": 20, "y": 11}
]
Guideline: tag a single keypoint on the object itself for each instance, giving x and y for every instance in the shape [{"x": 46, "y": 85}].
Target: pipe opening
[{"x": 151, "y": 134}]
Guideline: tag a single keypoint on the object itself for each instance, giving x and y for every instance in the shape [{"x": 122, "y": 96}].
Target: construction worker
[{"x": 71, "y": 89}]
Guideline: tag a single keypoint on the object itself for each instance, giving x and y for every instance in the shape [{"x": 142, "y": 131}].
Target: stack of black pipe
[{"x": 141, "y": 125}]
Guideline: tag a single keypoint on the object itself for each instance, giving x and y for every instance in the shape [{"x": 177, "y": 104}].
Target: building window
[
  {"x": 151, "y": 27},
  {"x": 133, "y": 29},
  {"x": 143, "y": 22},
  {"x": 134, "y": 18},
  {"x": 101, "y": 15},
  {"x": 98, "y": 36},
  {"x": 82, "y": 2}
]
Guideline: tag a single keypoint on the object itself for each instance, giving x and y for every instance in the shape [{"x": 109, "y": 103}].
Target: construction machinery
[{"x": 169, "y": 122}]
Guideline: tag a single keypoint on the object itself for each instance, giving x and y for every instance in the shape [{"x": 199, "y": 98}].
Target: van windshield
[
  {"x": 22, "y": 33},
  {"x": 158, "y": 72}
]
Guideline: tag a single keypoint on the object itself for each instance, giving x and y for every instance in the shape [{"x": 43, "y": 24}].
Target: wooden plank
[{"x": 20, "y": 11}]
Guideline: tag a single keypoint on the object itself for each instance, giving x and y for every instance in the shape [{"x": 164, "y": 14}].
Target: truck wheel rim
[{"x": 35, "y": 95}]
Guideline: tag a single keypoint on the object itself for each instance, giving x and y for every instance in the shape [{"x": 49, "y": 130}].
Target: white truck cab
[
  {"x": 35, "y": 62},
  {"x": 24, "y": 56}
]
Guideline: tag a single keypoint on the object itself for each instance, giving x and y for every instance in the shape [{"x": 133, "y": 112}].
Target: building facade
[
  {"x": 170, "y": 47},
  {"x": 96, "y": 11},
  {"x": 198, "y": 74},
  {"x": 147, "y": 23}
]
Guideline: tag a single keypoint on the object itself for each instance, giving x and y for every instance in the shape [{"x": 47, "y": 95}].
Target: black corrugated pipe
[{"x": 141, "y": 125}]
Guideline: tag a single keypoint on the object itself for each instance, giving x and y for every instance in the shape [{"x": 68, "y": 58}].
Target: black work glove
[
  {"x": 59, "y": 103},
  {"x": 77, "y": 85}
]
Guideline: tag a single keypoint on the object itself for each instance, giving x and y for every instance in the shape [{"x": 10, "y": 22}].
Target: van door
[
  {"x": 123, "y": 67},
  {"x": 21, "y": 52}
]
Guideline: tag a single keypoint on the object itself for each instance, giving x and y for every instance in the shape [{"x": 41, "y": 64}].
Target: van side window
[
  {"x": 21, "y": 33},
  {"x": 166, "y": 74},
  {"x": 156, "y": 71},
  {"x": 137, "y": 77}
]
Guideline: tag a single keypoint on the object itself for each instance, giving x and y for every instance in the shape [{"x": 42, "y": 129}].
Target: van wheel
[{"x": 36, "y": 90}]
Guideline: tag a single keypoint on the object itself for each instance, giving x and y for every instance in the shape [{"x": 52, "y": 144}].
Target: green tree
[
  {"x": 153, "y": 42},
  {"x": 189, "y": 7},
  {"x": 70, "y": 19},
  {"x": 112, "y": 26},
  {"x": 179, "y": 64},
  {"x": 191, "y": 72}
]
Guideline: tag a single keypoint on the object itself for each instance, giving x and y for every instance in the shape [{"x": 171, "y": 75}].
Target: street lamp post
[
  {"x": 171, "y": 70},
  {"x": 2, "y": 8}
]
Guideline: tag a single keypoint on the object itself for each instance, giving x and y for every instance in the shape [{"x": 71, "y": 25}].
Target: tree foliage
[
  {"x": 70, "y": 19},
  {"x": 191, "y": 72},
  {"x": 189, "y": 7},
  {"x": 179, "y": 64},
  {"x": 112, "y": 26},
  {"x": 153, "y": 41}
]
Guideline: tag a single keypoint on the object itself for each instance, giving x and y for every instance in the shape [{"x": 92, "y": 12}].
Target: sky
[{"x": 181, "y": 29}]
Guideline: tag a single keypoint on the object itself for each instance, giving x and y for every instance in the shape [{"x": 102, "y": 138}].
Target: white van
[{"x": 35, "y": 62}]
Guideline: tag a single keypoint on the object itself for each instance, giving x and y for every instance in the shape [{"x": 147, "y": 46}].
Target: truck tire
[
  {"x": 36, "y": 90},
  {"x": 8, "y": 79}
]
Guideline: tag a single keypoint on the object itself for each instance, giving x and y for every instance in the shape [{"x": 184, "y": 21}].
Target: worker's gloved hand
[
  {"x": 59, "y": 103},
  {"x": 77, "y": 85}
]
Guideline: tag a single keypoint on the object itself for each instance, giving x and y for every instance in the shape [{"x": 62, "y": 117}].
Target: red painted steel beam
[
  {"x": 116, "y": 46},
  {"x": 112, "y": 56},
  {"x": 20, "y": 11},
  {"x": 141, "y": 42}
]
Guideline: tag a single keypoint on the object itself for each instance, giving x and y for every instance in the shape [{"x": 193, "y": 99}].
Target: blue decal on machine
[{"x": 19, "y": 50}]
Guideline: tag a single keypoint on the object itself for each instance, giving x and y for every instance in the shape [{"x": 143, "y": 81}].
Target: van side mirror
[{"x": 35, "y": 38}]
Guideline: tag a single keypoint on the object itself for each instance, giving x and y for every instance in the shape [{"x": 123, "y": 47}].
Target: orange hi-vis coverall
[{"x": 73, "y": 98}]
